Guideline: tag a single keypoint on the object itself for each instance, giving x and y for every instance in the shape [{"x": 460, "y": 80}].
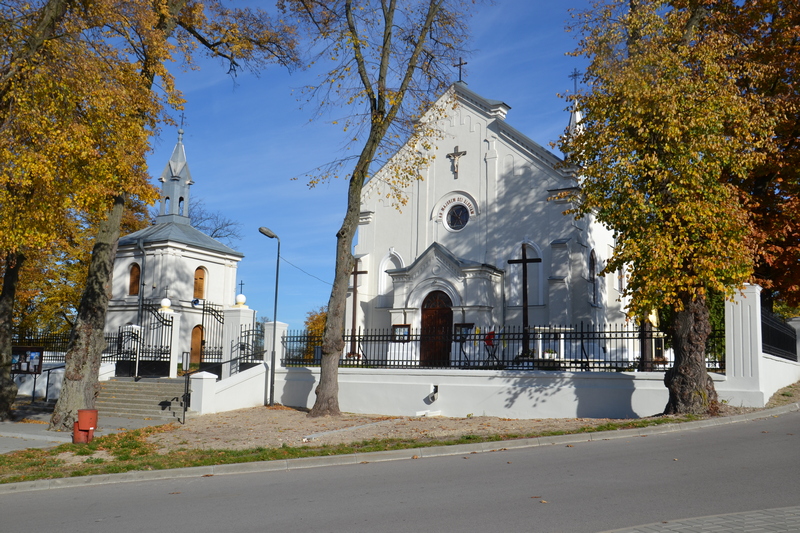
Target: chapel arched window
[
  {"x": 199, "y": 283},
  {"x": 134, "y": 278}
]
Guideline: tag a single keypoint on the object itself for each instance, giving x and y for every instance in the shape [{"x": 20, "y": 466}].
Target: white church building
[
  {"x": 171, "y": 280},
  {"x": 483, "y": 237}
]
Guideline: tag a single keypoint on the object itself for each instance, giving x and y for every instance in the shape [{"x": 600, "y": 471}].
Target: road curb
[{"x": 382, "y": 456}]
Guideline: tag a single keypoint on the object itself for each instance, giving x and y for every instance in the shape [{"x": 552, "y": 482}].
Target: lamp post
[{"x": 267, "y": 232}]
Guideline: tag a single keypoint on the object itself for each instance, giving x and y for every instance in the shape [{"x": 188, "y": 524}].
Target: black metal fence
[
  {"x": 55, "y": 345},
  {"x": 575, "y": 348},
  {"x": 777, "y": 337}
]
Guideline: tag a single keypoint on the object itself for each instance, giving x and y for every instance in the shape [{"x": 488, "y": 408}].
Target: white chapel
[
  {"x": 172, "y": 273},
  {"x": 482, "y": 238}
]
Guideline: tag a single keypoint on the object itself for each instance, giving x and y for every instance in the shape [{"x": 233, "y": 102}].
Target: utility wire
[{"x": 304, "y": 272}]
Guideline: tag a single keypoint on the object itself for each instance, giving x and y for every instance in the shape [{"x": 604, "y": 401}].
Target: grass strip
[{"x": 130, "y": 451}]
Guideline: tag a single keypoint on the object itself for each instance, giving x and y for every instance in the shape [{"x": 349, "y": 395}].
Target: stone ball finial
[{"x": 165, "y": 303}]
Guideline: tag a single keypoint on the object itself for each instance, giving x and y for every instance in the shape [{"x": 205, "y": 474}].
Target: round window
[{"x": 457, "y": 217}]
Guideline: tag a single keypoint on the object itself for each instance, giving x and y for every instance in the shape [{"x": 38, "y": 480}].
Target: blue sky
[{"x": 249, "y": 144}]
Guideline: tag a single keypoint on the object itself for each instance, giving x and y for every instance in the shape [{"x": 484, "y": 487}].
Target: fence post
[
  {"x": 203, "y": 388},
  {"x": 795, "y": 323},
  {"x": 743, "y": 339}
]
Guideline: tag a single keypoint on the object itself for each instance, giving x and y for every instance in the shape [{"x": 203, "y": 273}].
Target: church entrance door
[
  {"x": 197, "y": 345},
  {"x": 436, "y": 331}
]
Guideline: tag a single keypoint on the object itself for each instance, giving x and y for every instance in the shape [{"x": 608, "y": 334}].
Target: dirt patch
[
  {"x": 277, "y": 426},
  {"x": 70, "y": 458}
]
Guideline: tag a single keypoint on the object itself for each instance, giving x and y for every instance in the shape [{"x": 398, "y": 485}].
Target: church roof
[{"x": 177, "y": 233}]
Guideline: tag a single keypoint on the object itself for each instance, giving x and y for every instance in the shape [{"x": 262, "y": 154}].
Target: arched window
[
  {"x": 134, "y": 277},
  {"x": 199, "y": 283},
  {"x": 593, "y": 278},
  {"x": 385, "y": 285}
]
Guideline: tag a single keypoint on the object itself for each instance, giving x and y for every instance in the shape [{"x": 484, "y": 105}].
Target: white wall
[
  {"x": 245, "y": 389},
  {"x": 25, "y": 382},
  {"x": 511, "y": 394}
]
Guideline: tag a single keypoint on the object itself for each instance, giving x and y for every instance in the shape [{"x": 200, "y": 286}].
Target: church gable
[{"x": 479, "y": 226}]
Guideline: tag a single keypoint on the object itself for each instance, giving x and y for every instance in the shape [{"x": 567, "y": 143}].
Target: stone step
[{"x": 155, "y": 399}]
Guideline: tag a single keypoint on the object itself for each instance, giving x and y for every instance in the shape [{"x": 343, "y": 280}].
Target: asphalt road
[{"x": 583, "y": 487}]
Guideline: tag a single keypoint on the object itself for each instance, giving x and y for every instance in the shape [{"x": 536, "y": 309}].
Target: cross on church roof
[
  {"x": 460, "y": 64},
  {"x": 576, "y": 74}
]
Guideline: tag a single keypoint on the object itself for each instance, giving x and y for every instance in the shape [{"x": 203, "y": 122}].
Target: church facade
[
  {"x": 483, "y": 241},
  {"x": 171, "y": 274}
]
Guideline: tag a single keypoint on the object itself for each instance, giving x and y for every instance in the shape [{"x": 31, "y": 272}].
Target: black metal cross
[
  {"x": 241, "y": 287},
  {"x": 526, "y": 342},
  {"x": 356, "y": 273},
  {"x": 455, "y": 156},
  {"x": 575, "y": 75},
  {"x": 460, "y": 64}
]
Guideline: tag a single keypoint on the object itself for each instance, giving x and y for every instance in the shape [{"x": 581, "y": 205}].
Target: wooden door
[
  {"x": 197, "y": 345},
  {"x": 436, "y": 331}
]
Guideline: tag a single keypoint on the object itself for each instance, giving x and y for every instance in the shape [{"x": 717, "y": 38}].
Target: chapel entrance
[
  {"x": 196, "y": 354},
  {"x": 436, "y": 330}
]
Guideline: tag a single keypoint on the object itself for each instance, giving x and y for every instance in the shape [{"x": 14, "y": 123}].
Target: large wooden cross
[
  {"x": 455, "y": 156},
  {"x": 526, "y": 340},
  {"x": 356, "y": 272}
]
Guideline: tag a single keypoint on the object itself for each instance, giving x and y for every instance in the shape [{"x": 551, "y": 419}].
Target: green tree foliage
[
  {"x": 390, "y": 60},
  {"x": 666, "y": 127}
]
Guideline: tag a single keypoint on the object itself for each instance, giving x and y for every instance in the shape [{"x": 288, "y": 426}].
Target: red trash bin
[{"x": 83, "y": 430}]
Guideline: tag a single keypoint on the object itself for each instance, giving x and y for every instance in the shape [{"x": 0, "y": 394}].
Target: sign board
[{"x": 27, "y": 359}]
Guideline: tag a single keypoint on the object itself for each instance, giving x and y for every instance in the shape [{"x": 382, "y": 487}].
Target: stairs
[{"x": 147, "y": 398}]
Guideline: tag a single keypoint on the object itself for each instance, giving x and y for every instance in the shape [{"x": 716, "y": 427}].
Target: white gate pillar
[
  {"x": 743, "y": 347},
  {"x": 235, "y": 318}
]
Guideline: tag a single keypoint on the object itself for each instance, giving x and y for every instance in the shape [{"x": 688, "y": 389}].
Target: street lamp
[{"x": 271, "y": 235}]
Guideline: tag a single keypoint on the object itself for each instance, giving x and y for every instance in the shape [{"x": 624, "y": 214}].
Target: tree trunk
[
  {"x": 84, "y": 353},
  {"x": 691, "y": 390},
  {"x": 327, "y": 391},
  {"x": 8, "y": 389}
]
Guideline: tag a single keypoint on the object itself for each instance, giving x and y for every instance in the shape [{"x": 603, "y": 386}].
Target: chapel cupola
[{"x": 175, "y": 182}]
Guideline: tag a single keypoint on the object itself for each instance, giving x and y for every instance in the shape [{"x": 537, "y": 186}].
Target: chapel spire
[
  {"x": 175, "y": 181},
  {"x": 575, "y": 115}
]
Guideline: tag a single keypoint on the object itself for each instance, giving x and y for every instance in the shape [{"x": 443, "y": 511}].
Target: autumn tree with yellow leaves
[
  {"x": 668, "y": 127},
  {"x": 82, "y": 89},
  {"x": 389, "y": 60}
]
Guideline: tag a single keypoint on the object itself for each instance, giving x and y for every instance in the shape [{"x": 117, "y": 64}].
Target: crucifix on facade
[
  {"x": 455, "y": 157},
  {"x": 526, "y": 339},
  {"x": 356, "y": 272}
]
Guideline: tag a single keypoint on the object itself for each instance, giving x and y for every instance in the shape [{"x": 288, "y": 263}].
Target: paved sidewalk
[
  {"x": 30, "y": 429},
  {"x": 783, "y": 520}
]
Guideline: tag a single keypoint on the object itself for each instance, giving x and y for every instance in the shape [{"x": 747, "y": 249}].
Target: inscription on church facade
[{"x": 456, "y": 200}]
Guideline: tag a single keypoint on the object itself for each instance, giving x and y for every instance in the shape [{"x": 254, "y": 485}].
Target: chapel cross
[
  {"x": 460, "y": 64},
  {"x": 241, "y": 287},
  {"x": 356, "y": 272},
  {"x": 526, "y": 341},
  {"x": 575, "y": 75},
  {"x": 455, "y": 157}
]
